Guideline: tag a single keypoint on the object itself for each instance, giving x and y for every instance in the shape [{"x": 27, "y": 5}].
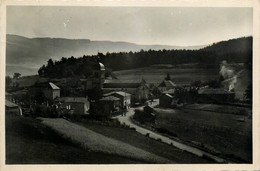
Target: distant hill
[{"x": 26, "y": 55}]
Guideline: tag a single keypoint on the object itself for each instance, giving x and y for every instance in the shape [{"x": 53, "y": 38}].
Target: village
[
  {"x": 166, "y": 112},
  {"x": 107, "y": 97}
]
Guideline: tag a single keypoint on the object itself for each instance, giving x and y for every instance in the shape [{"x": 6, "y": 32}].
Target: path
[{"x": 127, "y": 120}]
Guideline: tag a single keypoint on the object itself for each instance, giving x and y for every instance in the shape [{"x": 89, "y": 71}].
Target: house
[
  {"x": 125, "y": 98},
  {"x": 51, "y": 91},
  {"x": 166, "y": 100},
  {"x": 215, "y": 95},
  {"x": 139, "y": 91},
  {"x": 106, "y": 106},
  {"x": 78, "y": 105},
  {"x": 13, "y": 108},
  {"x": 166, "y": 85}
]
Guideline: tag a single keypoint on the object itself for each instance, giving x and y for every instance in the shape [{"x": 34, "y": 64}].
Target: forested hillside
[{"x": 233, "y": 51}]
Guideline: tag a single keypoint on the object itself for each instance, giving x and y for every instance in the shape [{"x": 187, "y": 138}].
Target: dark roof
[
  {"x": 167, "y": 83},
  {"x": 214, "y": 91},
  {"x": 121, "y": 85},
  {"x": 72, "y": 99},
  {"x": 49, "y": 85}
]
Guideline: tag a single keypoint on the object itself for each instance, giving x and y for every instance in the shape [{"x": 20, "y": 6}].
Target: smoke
[{"x": 228, "y": 72}]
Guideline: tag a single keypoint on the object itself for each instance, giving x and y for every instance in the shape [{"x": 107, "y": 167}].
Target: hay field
[
  {"x": 99, "y": 143},
  {"x": 183, "y": 74}
]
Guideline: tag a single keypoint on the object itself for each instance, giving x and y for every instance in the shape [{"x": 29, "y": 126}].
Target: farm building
[
  {"x": 50, "y": 90},
  {"x": 13, "y": 108},
  {"x": 139, "y": 91},
  {"x": 166, "y": 85},
  {"x": 217, "y": 95},
  {"x": 79, "y": 105},
  {"x": 166, "y": 100},
  {"x": 108, "y": 105},
  {"x": 125, "y": 98}
]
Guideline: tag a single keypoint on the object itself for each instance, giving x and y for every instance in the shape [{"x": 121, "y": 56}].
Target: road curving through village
[{"x": 126, "y": 119}]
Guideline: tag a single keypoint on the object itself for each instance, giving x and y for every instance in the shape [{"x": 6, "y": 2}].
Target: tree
[
  {"x": 8, "y": 80},
  {"x": 248, "y": 92},
  {"x": 16, "y": 75}
]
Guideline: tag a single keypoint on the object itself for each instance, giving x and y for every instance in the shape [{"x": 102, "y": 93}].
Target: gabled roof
[
  {"x": 168, "y": 95},
  {"x": 53, "y": 86},
  {"x": 171, "y": 91},
  {"x": 214, "y": 91},
  {"x": 48, "y": 85},
  {"x": 10, "y": 104},
  {"x": 72, "y": 99},
  {"x": 167, "y": 83},
  {"x": 109, "y": 98},
  {"x": 121, "y": 93}
]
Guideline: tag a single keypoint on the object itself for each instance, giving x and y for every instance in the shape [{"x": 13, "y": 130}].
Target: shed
[
  {"x": 215, "y": 95},
  {"x": 11, "y": 107},
  {"x": 79, "y": 105}
]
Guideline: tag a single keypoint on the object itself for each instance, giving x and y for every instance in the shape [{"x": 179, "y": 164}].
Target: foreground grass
[
  {"x": 30, "y": 142},
  {"x": 99, "y": 143},
  {"x": 219, "y": 132},
  {"x": 140, "y": 141}
]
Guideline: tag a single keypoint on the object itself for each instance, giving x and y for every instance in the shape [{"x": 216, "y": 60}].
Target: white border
[{"x": 255, "y": 4}]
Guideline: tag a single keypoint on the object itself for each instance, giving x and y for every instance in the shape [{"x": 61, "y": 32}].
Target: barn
[{"x": 215, "y": 95}]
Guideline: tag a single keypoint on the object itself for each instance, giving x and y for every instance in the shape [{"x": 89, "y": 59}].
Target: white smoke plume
[{"x": 226, "y": 71}]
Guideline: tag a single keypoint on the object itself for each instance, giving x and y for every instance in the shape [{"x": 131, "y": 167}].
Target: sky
[{"x": 180, "y": 26}]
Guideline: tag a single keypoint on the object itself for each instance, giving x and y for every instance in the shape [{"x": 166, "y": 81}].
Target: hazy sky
[{"x": 141, "y": 25}]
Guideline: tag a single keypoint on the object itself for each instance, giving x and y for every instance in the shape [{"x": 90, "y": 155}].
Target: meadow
[
  {"x": 28, "y": 141},
  {"x": 180, "y": 74},
  {"x": 229, "y": 135}
]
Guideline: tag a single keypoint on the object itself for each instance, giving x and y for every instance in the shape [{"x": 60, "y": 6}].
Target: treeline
[{"x": 236, "y": 50}]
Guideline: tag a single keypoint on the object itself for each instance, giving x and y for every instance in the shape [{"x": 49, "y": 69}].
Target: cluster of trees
[{"x": 237, "y": 50}]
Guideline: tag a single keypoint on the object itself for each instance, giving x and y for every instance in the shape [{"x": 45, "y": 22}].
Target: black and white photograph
[{"x": 128, "y": 85}]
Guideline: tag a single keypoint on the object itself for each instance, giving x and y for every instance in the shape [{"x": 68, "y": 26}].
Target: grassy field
[
  {"x": 30, "y": 142},
  {"x": 183, "y": 74},
  {"x": 225, "y": 109},
  {"x": 219, "y": 132},
  {"x": 145, "y": 143},
  {"x": 99, "y": 143}
]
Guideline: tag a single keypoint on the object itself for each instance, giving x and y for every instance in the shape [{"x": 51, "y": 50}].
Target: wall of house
[
  {"x": 56, "y": 93},
  {"x": 165, "y": 101},
  {"x": 79, "y": 108}
]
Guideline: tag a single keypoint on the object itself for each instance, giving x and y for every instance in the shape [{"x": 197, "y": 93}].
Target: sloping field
[
  {"x": 220, "y": 132},
  {"x": 28, "y": 141},
  {"x": 179, "y": 74},
  {"x": 98, "y": 142}
]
